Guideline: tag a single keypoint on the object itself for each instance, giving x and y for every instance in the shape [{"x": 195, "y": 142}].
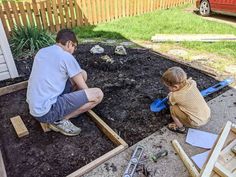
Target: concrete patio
[{"x": 223, "y": 109}]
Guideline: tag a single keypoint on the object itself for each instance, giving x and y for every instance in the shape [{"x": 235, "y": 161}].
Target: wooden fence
[{"x": 56, "y": 14}]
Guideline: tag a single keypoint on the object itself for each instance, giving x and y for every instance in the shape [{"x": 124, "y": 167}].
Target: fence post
[{"x": 36, "y": 14}]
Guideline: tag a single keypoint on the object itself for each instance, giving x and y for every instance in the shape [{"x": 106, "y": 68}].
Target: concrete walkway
[{"x": 223, "y": 108}]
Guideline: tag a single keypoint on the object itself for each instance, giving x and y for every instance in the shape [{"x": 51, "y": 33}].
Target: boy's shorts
[
  {"x": 66, "y": 103},
  {"x": 183, "y": 118}
]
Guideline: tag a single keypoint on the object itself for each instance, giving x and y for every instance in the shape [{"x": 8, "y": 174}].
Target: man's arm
[{"x": 79, "y": 81}]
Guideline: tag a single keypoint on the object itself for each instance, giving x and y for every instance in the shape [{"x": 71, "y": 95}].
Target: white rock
[
  {"x": 97, "y": 49},
  {"x": 120, "y": 50}
]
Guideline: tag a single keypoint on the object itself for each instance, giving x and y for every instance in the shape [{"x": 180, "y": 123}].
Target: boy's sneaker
[{"x": 66, "y": 127}]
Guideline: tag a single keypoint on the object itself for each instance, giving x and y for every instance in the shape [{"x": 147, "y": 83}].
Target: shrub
[{"x": 26, "y": 41}]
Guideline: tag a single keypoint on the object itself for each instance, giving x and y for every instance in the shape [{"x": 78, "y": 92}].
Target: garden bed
[
  {"x": 46, "y": 154},
  {"x": 130, "y": 84}
]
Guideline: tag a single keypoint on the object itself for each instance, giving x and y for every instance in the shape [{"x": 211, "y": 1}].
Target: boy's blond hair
[{"x": 173, "y": 76}]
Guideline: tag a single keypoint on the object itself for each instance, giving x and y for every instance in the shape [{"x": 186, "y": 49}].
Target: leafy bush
[{"x": 26, "y": 41}]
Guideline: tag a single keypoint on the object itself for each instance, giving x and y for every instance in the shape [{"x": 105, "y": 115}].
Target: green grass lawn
[{"x": 171, "y": 21}]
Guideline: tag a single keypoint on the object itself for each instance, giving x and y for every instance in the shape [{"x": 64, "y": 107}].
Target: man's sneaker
[{"x": 65, "y": 127}]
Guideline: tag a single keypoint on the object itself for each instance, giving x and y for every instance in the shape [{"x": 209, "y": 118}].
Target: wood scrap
[
  {"x": 216, "y": 150},
  {"x": 186, "y": 160},
  {"x": 13, "y": 88},
  {"x": 221, "y": 161},
  {"x": 19, "y": 126}
]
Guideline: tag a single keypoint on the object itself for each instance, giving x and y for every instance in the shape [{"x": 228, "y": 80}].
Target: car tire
[{"x": 205, "y": 8}]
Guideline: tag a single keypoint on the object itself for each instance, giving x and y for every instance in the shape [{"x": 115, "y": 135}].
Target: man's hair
[
  {"x": 173, "y": 76},
  {"x": 65, "y": 35}
]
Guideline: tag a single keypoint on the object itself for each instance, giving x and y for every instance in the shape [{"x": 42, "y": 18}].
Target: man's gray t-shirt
[{"x": 51, "y": 69}]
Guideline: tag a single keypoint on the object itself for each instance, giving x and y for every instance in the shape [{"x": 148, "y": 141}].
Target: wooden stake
[
  {"x": 187, "y": 162},
  {"x": 19, "y": 126}
]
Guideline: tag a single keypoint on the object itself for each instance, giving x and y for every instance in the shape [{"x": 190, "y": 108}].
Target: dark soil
[
  {"x": 129, "y": 84},
  {"x": 46, "y": 154}
]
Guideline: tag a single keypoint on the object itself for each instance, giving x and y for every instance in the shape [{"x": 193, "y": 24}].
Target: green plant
[{"x": 28, "y": 40}]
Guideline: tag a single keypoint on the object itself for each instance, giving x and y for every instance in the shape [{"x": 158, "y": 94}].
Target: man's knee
[
  {"x": 94, "y": 94},
  {"x": 100, "y": 95}
]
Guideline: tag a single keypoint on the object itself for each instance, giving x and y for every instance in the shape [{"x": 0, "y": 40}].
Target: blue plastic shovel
[{"x": 160, "y": 104}]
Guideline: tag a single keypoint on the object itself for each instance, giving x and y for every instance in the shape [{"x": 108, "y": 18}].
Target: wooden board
[
  {"x": 8, "y": 14},
  {"x": 56, "y": 15},
  {"x": 113, "y": 136},
  {"x": 72, "y": 13},
  {"x": 43, "y": 14},
  {"x": 22, "y": 13},
  {"x": 216, "y": 150},
  {"x": 50, "y": 17},
  {"x": 19, "y": 126},
  {"x": 78, "y": 10},
  {"x": 29, "y": 13},
  {"x": 61, "y": 13},
  {"x": 226, "y": 164},
  {"x": 13, "y": 88},
  {"x": 15, "y": 13},
  {"x": 186, "y": 160},
  {"x": 221, "y": 161},
  {"x": 36, "y": 14},
  {"x": 97, "y": 162},
  {"x": 122, "y": 145}
]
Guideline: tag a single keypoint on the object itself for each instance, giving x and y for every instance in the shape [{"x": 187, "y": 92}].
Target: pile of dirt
[{"x": 130, "y": 84}]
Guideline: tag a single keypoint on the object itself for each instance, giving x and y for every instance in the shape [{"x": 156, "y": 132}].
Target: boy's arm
[
  {"x": 171, "y": 99},
  {"x": 79, "y": 81}
]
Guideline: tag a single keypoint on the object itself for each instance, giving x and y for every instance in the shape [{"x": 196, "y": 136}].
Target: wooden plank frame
[
  {"x": 212, "y": 166},
  {"x": 216, "y": 150},
  {"x": 112, "y": 135}
]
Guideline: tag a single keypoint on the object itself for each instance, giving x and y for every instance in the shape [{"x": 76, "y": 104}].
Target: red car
[{"x": 227, "y": 7}]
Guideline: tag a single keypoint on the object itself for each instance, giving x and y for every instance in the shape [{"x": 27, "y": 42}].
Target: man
[{"x": 54, "y": 73}]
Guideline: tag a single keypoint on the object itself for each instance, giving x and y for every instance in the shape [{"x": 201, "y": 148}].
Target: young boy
[
  {"x": 49, "y": 95},
  {"x": 187, "y": 106}
]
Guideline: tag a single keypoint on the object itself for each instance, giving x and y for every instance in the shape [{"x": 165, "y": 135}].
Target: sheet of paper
[
  {"x": 200, "y": 138},
  {"x": 200, "y": 159}
]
